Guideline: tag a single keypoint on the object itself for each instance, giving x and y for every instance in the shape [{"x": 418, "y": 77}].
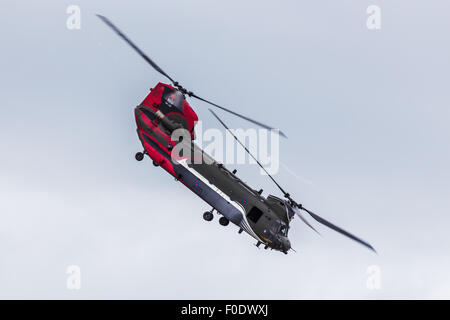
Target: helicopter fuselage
[{"x": 165, "y": 110}]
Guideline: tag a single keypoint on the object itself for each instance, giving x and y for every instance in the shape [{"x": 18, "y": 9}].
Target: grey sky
[{"x": 366, "y": 113}]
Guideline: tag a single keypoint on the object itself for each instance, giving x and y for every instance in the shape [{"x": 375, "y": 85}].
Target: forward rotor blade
[
  {"x": 239, "y": 115},
  {"x": 337, "y": 229},
  {"x": 300, "y": 215},
  {"x": 141, "y": 53},
  {"x": 299, "y": 206},
  {"x": 248, "y": 151}
]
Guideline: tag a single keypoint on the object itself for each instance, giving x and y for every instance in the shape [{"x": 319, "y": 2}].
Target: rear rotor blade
[
  {"x": 237, "y": 114},
  {"x": 246, "y": 149},
  {"x": 337, "y": 229},
  {"x": 141, "y": 53},
  {"x": 176, "y": 84}
]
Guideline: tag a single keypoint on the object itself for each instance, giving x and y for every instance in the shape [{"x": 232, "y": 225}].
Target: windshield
[
  {"x": 278, "y": 227},
  {"x": 282, "y": 229},
  {"x": 174, "y": 99}
]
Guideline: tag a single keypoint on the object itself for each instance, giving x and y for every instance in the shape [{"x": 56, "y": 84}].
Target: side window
[{"x": 254, "y": 214}]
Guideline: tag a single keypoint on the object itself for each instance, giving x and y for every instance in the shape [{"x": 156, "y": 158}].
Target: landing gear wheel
[
  {"x": 208, "y": 216},
  {"x": 139, "y": 156},
  {"x": 156, "y": 164},
  {"x": 224, "y": 221}
]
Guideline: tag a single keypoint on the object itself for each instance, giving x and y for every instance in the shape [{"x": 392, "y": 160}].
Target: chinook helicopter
[{"x": 166, "y": 111}]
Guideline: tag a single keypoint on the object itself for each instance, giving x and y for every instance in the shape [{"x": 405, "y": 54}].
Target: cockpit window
[
  {"x": 174, "y": 99},
  {"x": 280, "y": 228},
  {"x": 283, "y": 229}
]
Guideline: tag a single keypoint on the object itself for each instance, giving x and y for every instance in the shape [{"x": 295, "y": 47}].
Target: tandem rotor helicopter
[{"x": 165, "y": 110}]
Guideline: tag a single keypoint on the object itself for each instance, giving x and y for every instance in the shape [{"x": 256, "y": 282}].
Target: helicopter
[{"x": 166, "y": 129}]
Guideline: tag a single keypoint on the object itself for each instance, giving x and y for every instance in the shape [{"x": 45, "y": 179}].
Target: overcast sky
[{"x": 366, "y": 112}]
